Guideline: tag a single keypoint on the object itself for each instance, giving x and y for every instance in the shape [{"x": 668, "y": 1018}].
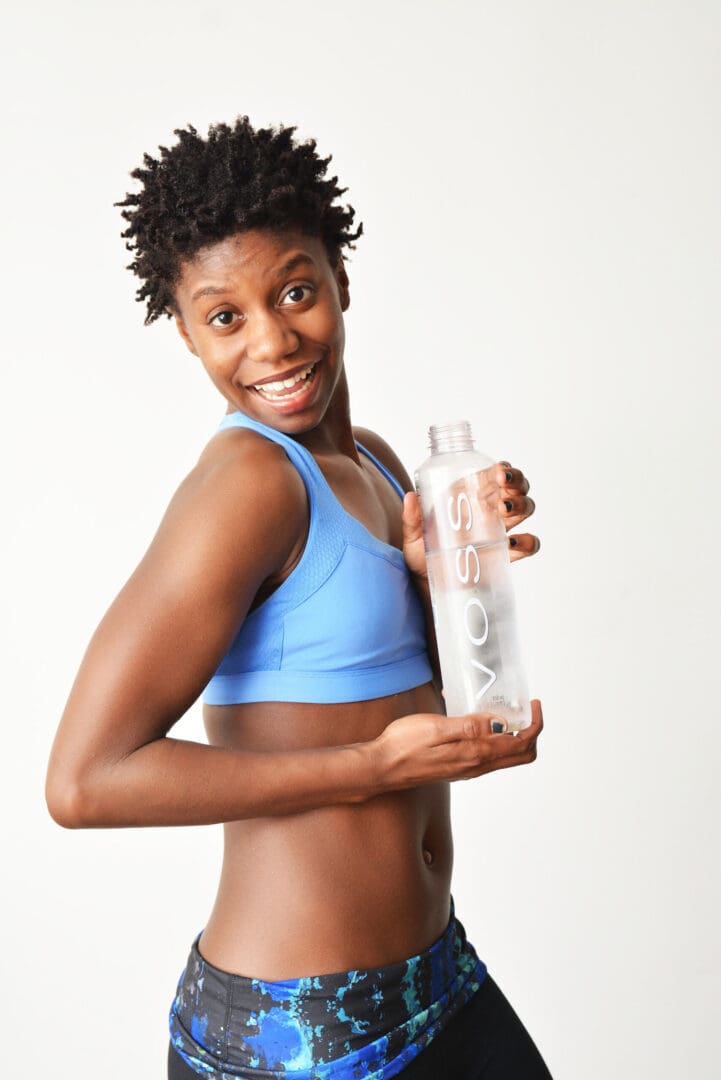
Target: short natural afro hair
[{"x": 203, "y": 190}]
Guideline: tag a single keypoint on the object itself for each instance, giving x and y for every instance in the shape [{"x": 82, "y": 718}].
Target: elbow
[{"x": 68, "y": 803}]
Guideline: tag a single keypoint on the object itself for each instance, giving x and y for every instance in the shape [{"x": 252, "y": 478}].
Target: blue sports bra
[{"x": 345, "y": 625}]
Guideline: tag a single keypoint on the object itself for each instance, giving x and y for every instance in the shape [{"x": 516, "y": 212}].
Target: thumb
[{"x": 412, "y": 521}]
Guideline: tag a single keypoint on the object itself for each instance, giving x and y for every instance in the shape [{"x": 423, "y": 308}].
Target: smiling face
[{"x": 264, "y": 312}]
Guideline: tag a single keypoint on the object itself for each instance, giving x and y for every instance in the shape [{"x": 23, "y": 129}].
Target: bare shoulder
[
  {"x": 242, "y": 498},
  {"x": 251, "y": 470},
  {"x": 238, "y": 518},
  {"x": 385, "y": 454}
]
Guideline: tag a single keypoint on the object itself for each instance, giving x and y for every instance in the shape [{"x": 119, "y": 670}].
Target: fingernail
[
  {"x": 513, "y": 541},
  {"x": 508, "y": 504},
  {"x": 509, "y": 476},
  {"x": 497, "y": 726}
]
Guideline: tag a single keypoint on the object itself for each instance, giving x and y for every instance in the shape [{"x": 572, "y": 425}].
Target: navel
[{"x": 427, "y": 856}]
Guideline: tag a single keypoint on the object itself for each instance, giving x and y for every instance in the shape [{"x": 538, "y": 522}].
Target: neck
[{"x": 334, "y": 434}]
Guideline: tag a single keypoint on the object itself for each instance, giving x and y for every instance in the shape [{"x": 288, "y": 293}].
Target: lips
[
  {"x": 294, "y": 393},
  {"x": 286, "y": 386}
]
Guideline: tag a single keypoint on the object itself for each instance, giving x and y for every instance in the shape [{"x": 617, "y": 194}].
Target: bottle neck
[{"x": 450, "y": 438}]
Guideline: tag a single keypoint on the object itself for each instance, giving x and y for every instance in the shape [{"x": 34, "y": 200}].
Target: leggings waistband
[{"x": 351, "y": 1025}]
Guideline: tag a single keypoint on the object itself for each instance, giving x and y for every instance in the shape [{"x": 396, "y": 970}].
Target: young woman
[{"x": 286, "y": 584}]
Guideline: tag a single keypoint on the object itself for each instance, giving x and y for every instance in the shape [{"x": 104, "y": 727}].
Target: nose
[{"x": 269, "y": 338}]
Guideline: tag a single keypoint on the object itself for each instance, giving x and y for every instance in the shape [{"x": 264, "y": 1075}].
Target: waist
[
  {"x": 350, "y": 1023},
  {"x": 340, "y": 887}
]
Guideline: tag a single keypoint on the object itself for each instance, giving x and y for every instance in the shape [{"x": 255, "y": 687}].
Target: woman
[{"x": 286, "y": 582}]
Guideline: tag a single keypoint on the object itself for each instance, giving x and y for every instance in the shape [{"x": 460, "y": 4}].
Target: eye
[
  {"x": 223, "y": 318},
  {"x": 297, "y": 293}
]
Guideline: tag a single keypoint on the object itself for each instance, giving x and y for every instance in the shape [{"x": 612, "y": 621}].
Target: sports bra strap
[{"x": 386, "y": 472}]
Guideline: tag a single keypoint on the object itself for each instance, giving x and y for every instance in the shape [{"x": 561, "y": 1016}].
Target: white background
[{"x": 540, "y": 189}]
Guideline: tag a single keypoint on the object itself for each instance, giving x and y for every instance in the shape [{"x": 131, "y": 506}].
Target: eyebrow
[
  {"x": 207, "y": 290},
  {"x": 295, "y": 261}
]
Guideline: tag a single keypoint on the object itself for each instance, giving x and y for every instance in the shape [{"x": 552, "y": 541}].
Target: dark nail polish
[
  {"x": 514, "y": 542},
  {"x": 497, "y": 727},
  {"x": 509, "y": 476},
  {"x": 508, "y": 504}
]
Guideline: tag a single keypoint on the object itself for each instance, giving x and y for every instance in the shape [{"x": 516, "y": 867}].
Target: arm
[{"x": 113, "y": 762}]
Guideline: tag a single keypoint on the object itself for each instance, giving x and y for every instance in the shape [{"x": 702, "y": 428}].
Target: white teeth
[{"x": 284, "y": 384}]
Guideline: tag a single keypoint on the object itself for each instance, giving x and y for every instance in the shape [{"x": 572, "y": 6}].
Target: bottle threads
[{"x": 450, "y": 438}]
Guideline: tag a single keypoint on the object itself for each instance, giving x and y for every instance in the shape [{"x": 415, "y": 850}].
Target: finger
[
  {"x": 503, "y": 752},
  {"x": 519, "y": 749},
  {"x": 493, "y": 725},
  {"x": 511, "y": 479},
  {"x": 528, "y": 756},
  {"x": 497, "y": 724},
  {"x": 471, "y": 727},
  {"x": 522, "y": 545},
  {"x": 515, "y": 508},
  {"x": 535, "y": 727},
  {"x": 530, "y": 734},
  {"x": 481, "y": 725},
  {"x": 412, "y": 519}
]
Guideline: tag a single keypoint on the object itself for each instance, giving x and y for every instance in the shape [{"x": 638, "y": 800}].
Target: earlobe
[{"x": 182, "y": 330}]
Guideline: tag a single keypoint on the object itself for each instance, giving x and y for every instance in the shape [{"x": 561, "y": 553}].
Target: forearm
[{"x": 179, "y": 782}]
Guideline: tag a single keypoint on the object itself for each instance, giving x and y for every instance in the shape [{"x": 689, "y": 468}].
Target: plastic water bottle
[{"x": 469, "y": 571}]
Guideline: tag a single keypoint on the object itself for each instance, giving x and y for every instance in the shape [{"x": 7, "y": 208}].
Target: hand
[
  {"x": 413, "y": 548},
  {"x": 425, "y": 747},
  {"x": 514, "y": 489}
]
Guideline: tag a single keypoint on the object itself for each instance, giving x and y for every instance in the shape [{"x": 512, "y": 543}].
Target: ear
[
  {"x": 341, "y": 278},
  {"x": 182, "y": 330}
]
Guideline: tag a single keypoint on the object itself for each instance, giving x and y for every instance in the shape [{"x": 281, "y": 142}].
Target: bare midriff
[{"x": 336, "y": 888}]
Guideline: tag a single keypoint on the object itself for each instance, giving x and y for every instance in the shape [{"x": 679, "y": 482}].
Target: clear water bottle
[{"x": 469, "y": 571}]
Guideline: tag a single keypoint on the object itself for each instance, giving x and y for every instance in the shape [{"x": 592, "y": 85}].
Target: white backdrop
[{"x": 539, "y": 184}]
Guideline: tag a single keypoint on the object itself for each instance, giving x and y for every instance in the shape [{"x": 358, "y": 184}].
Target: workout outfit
[{"x": 306, "y": 643}]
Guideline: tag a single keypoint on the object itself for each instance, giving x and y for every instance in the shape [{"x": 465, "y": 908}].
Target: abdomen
[{"x": 339, "y": 887}]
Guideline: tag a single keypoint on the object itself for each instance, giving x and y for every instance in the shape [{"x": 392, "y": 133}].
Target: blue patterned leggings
[{"x": 435, "y": 1016}]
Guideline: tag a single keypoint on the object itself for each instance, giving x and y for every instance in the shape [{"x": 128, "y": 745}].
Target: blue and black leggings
[{"x": 435, "y": 1016}]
